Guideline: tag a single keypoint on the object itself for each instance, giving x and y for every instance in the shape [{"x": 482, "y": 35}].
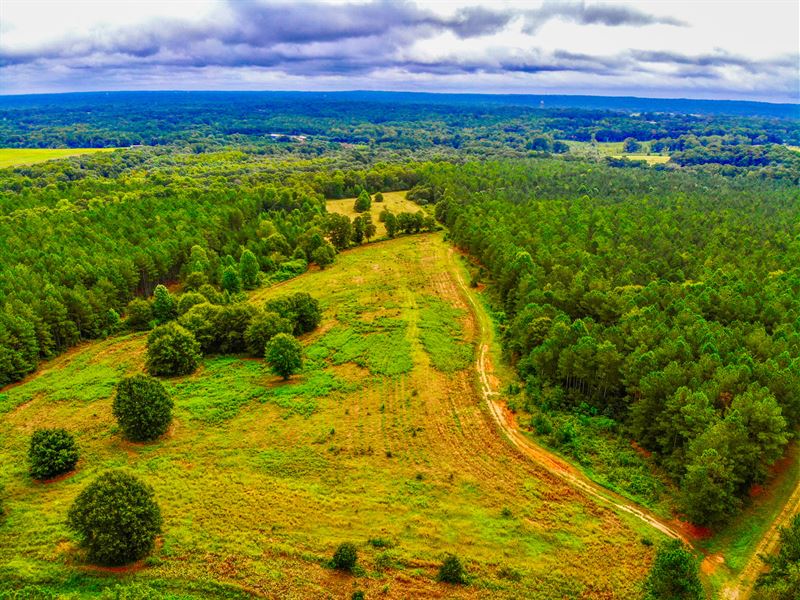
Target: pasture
[{"x": 13, "y": 157}]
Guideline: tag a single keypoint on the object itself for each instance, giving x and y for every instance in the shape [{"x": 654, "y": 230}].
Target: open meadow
[
  {"x": 382, "y": 440},
  {"x": 13, "y": 157}
]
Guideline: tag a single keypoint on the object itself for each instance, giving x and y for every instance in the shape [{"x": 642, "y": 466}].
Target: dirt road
[{"x": 549, "y": 461}]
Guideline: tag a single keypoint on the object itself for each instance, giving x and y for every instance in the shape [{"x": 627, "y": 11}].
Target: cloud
[{"x": 358, "y": 43}]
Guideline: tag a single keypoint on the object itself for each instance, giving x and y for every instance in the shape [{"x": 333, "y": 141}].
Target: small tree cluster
[
  {"x": 140, "y": 314},
  {"x": 263, "y": 327},
  {"x": 142, "y": 408},
  {"x": 116, "y": 519},
  {"x": 301, "y": 309},
  {"x": 52, "y": 452}
]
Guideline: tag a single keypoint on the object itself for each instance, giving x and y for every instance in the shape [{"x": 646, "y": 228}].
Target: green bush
[
  {"x": 164, "y": 306},
  {"x": 188, "y": 300},
  {"x": 452, "y": 571},
  {"x": 52, "y": 452},
  {"x": 674, "y": 574},
  {"x": 142, "y": 408},
  {"x": 345, "y": 557},
  {"x": 116, "y": 519},
  {"x": 172, "y": 350},
  {"x": 301, "y": 309}
]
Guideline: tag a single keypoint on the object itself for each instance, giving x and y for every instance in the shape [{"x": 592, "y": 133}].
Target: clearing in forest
[
  {"x": 394, "y": 202},
  {"x": 382, "y": 440},
  {"x": 12, "y": 157}
]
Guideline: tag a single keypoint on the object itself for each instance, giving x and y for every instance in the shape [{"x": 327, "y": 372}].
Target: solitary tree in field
[
  {"x": 631, "y": 145},
  {"x": 230, "y": 281},
  {"x": 378, "y": 197},
  {"x": 248, "y": 270},
  {"x": 345, "y": 557},
  {"x": 363, "y": 202},
  {"x": 164, "y": 306},
  {"x": 116, "y": 519},
  {"x": 142, "y": 407},
  {"x": 284, "y": 355},
  {"x": 51, "y": 453},
  {"x": 369, "y": 226}
]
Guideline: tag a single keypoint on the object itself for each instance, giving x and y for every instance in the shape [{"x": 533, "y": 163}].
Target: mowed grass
[
  {"x": 12, "y": 157},
  {"x": 395, "y": 202},
  {"x": 381, "y": 437},
  {"x": 614, "y": 150}
]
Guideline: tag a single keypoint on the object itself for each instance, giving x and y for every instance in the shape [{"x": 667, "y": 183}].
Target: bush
[
  {"x": 264, "y": 327},
  {"x": 116, "y": 519},
  {"x": 52, "y": 452},
  {"x": 358, "y": 595},
  {"x": 301, "y": 309},
  {"x": 451, "y": 570},
  {"x": 345, "y": 557},
  {"x": 324, "y": 255},
  {"x": 172, "y": 350},
  {"x": 201, "y": 320},
  {"x": 142, "y": 408},
  {"x": 284, "y": 355},
  {"x": 139, "y": 314},
  {"x": 363, "y": 202},
  {"x": 230, "y": 326},
  {"x": 378, "y": 197}
]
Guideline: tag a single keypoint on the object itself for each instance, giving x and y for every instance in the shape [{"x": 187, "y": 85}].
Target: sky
[{"x": 719, "y": 49}]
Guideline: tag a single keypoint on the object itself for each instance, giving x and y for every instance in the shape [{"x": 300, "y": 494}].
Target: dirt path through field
[{"x": 546, "y": 459}]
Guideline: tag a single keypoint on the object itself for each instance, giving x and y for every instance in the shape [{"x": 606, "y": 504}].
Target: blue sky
[{"x": 655, "y": 48}]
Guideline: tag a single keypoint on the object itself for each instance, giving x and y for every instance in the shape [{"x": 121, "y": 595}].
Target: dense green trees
[
  {"x": 142, "y": 408},
  {"x": 301, "y": 309},
  {"x": 52, "y": 452},
  {"x": 116, "y": 519},
  {"x": 284, "y": 354},
  {"x": 640, "y": 298}
]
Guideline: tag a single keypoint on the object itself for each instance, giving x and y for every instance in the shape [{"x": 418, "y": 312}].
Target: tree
[
  {"x": 172, "y": 350},
  {"x": 390, "y": 221},
  {"x": 324, "y": 255},
  {"x": 451, "y": 570},
  {"x": 358, "y": 230},
  {"x": 378, "y": 197},
  {"x": 140, "y": 313},
  {"x": 363, "y": 202},
  {"x": 52, "y": 452},
  {"x": 248, "y": 270},
  {"x": 284, "y": 355},
  {"x": 369, "y": 226},
  {"x": 188, "y": 300},
  {"x": 345, "y": 557},
  {"x": 198, "y": 260},
  {"x": 631, "y": 145},
  {"x": 339, "y": 230},
  {"x": 202, "y": 321},
  {"x": 674, "y": 575},
  {"x": 164, "y": 306},
  {"x": 301, "y": 309},
  {"x": 264, "y": 326},
  {"x": 230, "y": 280},
  {"x": 142, "y": 408},
  {"x": 116, "y": 519}
]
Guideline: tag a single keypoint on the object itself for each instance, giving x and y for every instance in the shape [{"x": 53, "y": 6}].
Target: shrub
[
  {"x": 284, "y": 355},
  {"x": 142, "y": 408},
  {"x": 201, "y": 320},
  {"x": 451, "y": 570},
  {"x": 52, "y": 452},
  {"x": 378, "y": 197},
  {"x": 230, "y": 281},
  {"x": 363, "y": 202},
  {"x": 301, "y": 309},
  {"x": 230, "y": 325},
  {"x": 264, "y": 327},
  {"x": 139, "y": 314},
  {"x": 116, "y": 519},
  {"x": 172, "y": 350},
  {"x": 358, "y": 595},
  {"x": 345, "y": 557}
]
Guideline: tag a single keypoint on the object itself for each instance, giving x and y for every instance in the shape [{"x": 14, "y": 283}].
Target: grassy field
[
  {"x": 393, "y": 201},
  {"x": 382, "y": 440},
  {"x": 614, "y": 150},
  {"x": 12, "y": 157}
]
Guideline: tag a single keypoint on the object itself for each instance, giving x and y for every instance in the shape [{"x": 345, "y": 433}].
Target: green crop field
[
  {"x": 12, "y": 157},
  {"x": 382, "y": 440},
  {"x": 613, "y": 150}
]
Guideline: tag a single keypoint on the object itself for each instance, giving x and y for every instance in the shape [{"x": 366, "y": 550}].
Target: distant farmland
[{"x": 12, "y": 157}]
